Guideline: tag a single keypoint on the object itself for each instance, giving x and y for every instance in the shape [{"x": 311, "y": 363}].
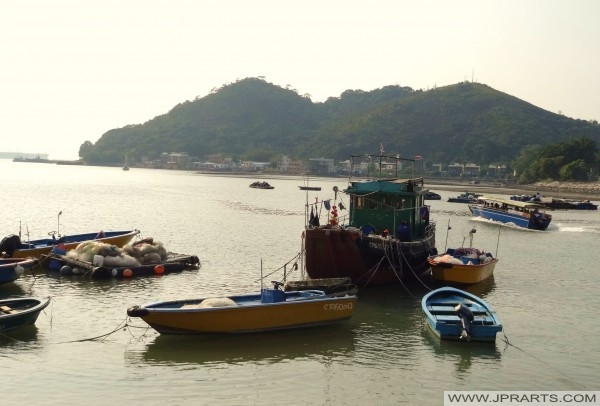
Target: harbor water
[{"x": 84, "y": 350}]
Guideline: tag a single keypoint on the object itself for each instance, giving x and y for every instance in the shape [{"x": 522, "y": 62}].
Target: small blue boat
[
  {"x": 12, "y": 268},
  {"x": 19, "y": 312},
  {"x": 454, "y": 314}
]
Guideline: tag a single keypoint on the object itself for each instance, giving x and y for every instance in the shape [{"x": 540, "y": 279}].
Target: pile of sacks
[{"x": 143, "y": 252}]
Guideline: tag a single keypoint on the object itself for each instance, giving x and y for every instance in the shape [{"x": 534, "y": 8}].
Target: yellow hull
[
  {"x": 467, "y": 274},
  {"x": 246, "y": 318},
  {"x": 37, "y": 252}
]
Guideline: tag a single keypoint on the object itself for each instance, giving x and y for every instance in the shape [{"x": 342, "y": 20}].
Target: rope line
[{"x": 507, "y": 344}]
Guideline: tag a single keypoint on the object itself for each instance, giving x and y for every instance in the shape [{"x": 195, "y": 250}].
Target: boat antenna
[
  {"x": 447, "y": 231},
  {"x": 473, "y": 231},
  {"x": 58, "y": 225},
  {"x": 498, "y": 242}
]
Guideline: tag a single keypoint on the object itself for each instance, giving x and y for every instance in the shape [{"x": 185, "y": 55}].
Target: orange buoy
[
  {"x": 159, "y": 269},
  {"x": 127, "y": 273}
]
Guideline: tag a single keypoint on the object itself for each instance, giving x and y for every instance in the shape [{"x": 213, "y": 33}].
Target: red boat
[{"x": 386, "y": 237}]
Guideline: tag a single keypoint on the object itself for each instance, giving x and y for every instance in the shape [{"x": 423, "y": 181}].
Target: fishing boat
[
  {"x": 19, "y": 312},
  {"x": 529, "y": 215},
  {"x": 12, "y": 268},
  {"x": 387, "y": 235},
  {"x": 268, "y": 310},
  {"x": 432, "y": 196},
  {"x": 261, "y": 185},
  {"x": 466, "y": 197},
  {"x": 453, "y": 314},
  {"x": 463, "y": 265},
  {"x": 307, "y": 187},
  {"x": 13, "y": 246}
]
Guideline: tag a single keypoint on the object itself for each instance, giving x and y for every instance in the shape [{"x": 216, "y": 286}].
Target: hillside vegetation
[{"x": 256, "y": 120}]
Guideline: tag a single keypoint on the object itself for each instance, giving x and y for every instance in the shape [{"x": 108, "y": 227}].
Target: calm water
[{"x": 545, "y": 289}]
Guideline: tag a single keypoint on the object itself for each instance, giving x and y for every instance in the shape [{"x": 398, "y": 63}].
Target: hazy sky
[{"x": 74, "y": 69}]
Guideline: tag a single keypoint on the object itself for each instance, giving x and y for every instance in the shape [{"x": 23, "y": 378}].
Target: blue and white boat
[
  {"x": 454, "y": 314},
  {"x": 529, "y": 215},
  {"x": 20, "y": 312},
  {"x": 12, "y": 268}
]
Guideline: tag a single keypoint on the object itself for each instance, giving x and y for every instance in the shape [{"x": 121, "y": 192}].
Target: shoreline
[{"x": 556, "y": 189}]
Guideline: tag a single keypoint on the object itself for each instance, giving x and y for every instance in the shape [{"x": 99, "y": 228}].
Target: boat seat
[
  {"x": 479, "y": 320},
  {"x": 449, "y": 309},
  {"x": 7, "y": 310}
]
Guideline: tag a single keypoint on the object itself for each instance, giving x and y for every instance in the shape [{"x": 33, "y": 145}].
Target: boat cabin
[{"x": 389, "y": 206}]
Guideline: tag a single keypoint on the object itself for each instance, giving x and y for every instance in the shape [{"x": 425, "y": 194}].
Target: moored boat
[
  {"x": 530, "y": 215},
  {"x": 307, "y": 187},
  {"x": 19, "y": 312},
  {"x": 387, "y": 235},
  {"x": 453, "y": 314},
  {"x": 13, "y": 246},
  {"x": 432, "y": 196},
  {"x": 261, "y": 185},
  {"x": 271, "y": 309},
  {"x": 12, "y": 268},
  {"x": 555, "y": 203},
  {"x": 463, "y": 265}
]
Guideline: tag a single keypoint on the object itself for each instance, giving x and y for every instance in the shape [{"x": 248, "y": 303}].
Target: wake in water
[
  {"x": 578, "y": 229},
  {"x": 508, "y": 225}
]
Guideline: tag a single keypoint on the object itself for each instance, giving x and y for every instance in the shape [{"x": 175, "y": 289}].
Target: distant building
[
  {"x": 288, "y": 165},
  {"x": 321, "y": 166}
]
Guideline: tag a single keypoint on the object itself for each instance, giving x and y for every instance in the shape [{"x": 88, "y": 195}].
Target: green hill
[{"x": 256, "y": 120}]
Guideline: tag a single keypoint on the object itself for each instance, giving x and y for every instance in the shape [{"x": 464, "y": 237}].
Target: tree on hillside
[{"x": 575, "y": 159}]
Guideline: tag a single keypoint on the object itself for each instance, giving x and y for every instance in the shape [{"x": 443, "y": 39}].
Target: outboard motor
[
  {"x": 466, "y": 318},
  {"x": 274, "y": 295},
  {"x": 9, "y": 244}
]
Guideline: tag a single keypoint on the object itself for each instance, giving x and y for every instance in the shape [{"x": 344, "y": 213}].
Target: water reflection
[
  {"x": 481, "y": 289},
  {"x": 12, "y": 289},
  {"x": 462, "y": 353},
  {"x": 273, "y": 347},
  {"x": 16, "y": 338}
]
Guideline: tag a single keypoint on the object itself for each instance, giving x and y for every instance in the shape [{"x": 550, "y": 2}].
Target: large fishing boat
[{"x": 387, "y": 234}]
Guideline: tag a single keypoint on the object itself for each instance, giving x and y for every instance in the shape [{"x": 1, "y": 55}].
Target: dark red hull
[{"x": 367, "y": 260}]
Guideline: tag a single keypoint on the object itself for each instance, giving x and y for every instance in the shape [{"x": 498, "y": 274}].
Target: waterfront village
[{"x": 284, "y": 164}]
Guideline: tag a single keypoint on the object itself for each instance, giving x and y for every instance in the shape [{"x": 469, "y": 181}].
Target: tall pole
[{"x": 58, "y": 225}]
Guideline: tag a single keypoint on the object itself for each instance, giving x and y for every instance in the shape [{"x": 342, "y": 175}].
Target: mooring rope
[
  {"x": 508, "y": 343},
  {"x": 123, "y": 325}
]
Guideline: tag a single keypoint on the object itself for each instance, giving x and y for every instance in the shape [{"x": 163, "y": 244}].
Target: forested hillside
[{"x": 256, "y": 120}]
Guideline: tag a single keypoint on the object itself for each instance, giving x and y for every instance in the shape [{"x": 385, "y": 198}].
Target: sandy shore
[{"x": 564, "y": 190}]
